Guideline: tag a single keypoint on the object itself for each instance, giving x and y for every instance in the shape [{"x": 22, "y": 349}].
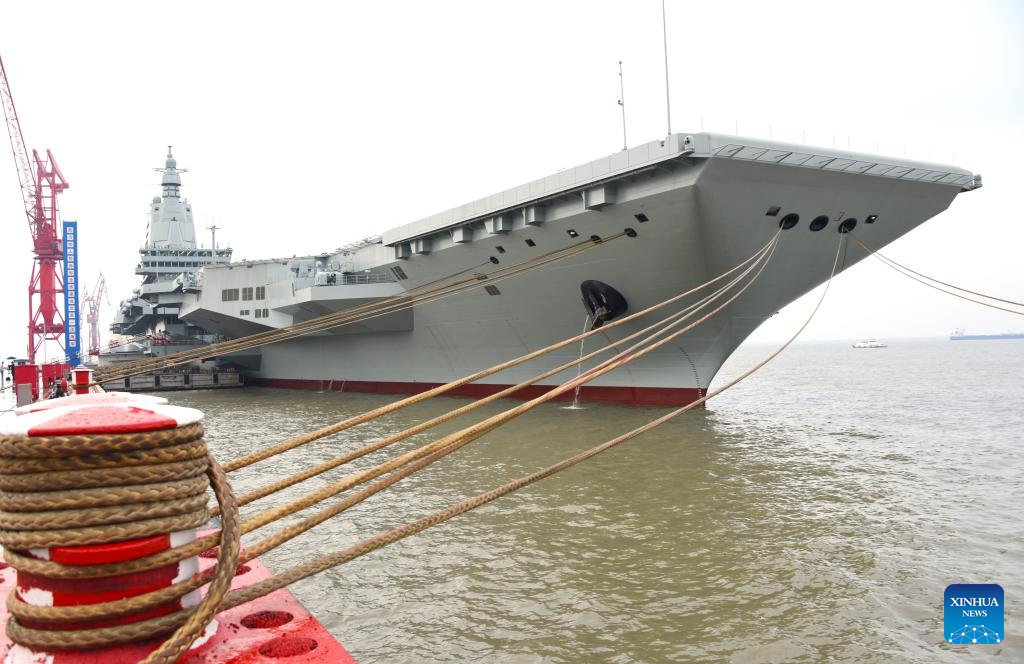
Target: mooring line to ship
[
  {"x": 909, "y": 273},
  {"x": 414, "y": 297},
  {"x": 304, "y": 570},
  {"x": 451, "y": 442},
  {"x": 56, "y": 570},
  {"x": 347, "y": 457},
  {"x": 441, "y": 448},
  {"x": 193, "y": 622},
  {"x": 441, "y": 389},
  {"x": 341, "y": 317},
  {"x": 298, "y": 572}
]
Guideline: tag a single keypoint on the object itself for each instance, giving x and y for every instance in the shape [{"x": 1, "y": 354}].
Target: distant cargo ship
[{"x": 960, "y": 335}]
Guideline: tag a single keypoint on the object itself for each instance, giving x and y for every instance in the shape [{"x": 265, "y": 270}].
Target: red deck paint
[
  {"x": 245, "y": 635},
  {"x": 634, "y": 396}
]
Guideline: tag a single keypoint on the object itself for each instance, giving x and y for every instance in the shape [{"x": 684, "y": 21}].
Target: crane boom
[
  {"x": 21, "y": 159},
  {"x": 41, "y": 181},
  {"x": 92, "y": 301}
]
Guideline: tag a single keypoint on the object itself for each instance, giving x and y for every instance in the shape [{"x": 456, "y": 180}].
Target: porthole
[
  {"x": 595, "y": 238},
  {"x": 789, "y": 221},
  {"x": 629, "y": 232},
  {"x": 819, "y": 223},
  {"x": 848, "y": 225},
  {"x": 494, "y": 259}
]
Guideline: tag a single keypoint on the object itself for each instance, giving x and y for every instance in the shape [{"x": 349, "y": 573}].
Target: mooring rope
[
  {"x": 56, "y": 570},
  {"x": 415, "y": 297},
  {"x": 92, "y": 489},
  {"x": 445, "y": 417},
  {"x": 164, "y": 623},
  {"x": 269, "y": 516},
  {"x": 909, "y": 273},
  {"x": 131, "y": 452},
  {"x": 375, "y": 413},
  {"x": 310, "y": 568}
]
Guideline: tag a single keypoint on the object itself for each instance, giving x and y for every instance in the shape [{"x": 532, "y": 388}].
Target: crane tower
[
  {"x": 91, "y": 301},
  {"x": 41, "y": 181}
]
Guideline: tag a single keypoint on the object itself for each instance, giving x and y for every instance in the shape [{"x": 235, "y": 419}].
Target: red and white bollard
[
  {"x": 92, "y": 414},
  {"x": 81, "y": 377},
  {"x": 271, "y": 628}
]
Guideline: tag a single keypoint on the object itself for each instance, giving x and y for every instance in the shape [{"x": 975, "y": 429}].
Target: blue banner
[{"x": 72, "y": 302}]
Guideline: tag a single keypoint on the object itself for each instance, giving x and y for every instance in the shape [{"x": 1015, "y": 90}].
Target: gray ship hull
[{"x": 697, "y": 213}]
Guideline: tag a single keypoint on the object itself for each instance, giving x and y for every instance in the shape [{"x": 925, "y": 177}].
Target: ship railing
[{"x": 343, "y": 279}]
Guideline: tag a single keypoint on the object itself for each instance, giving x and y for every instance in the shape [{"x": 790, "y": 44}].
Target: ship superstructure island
[
  {"x": 691, "y": 207},
  {"x": 169, "y": 264}
]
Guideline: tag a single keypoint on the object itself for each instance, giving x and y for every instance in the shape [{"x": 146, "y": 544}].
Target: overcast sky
[{"x": 306, "y": 125}]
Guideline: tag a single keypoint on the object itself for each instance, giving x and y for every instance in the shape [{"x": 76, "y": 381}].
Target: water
[{"x": 813, "y": 513}]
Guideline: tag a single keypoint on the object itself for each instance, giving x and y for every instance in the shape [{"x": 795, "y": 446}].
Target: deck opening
[
  {"x": 773, "y": 211},
  {"x": 492, "y": 290},
  {"x": 530, "y": 243},
  {"x": 641, "y": 217}
]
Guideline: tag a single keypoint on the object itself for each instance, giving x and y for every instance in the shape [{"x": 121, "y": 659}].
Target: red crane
[
  {"x": 41, "y": 182},
  {"x": 91, "y": 303}
]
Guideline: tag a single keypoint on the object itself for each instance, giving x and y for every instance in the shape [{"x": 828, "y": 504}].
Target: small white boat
[{"x": 870, "y": 343}]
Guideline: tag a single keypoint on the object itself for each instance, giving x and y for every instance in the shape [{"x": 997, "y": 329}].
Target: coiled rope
[{"x": 91, "y": 489}]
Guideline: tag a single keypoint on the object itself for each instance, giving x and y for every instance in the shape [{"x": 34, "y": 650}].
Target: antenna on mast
[
  {"x": 664, "y": 35},
  {"x": 622, "y": 103},
  {"x": 213, "y": 235}
]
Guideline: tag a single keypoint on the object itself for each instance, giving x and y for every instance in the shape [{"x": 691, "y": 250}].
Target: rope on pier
[
  {"x": 430, "y": 292},
  {"x": 249, "y": 593},
  {"x": 337, "y": 427},
  {"x": 271, "y": 515},
  {"x": 116, "y": 497},
  {"x": 928, "y": 281},
  {"x": 129, "y": 454}
]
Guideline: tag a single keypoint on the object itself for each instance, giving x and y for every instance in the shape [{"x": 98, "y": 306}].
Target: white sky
[{"x": 307, "y": 125}]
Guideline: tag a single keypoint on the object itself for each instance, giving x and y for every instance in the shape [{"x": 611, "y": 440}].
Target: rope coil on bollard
[
  {"x": 130, "y": 506},
  {"x": 155, "y": 483},
  {"x": 271, "y": 515}
]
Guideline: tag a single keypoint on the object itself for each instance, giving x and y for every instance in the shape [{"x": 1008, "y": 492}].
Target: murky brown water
[{"x": 815, "y": 513}]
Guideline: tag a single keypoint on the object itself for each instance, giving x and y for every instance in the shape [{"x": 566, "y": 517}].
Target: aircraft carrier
[{"x": 694, "y": 205}]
